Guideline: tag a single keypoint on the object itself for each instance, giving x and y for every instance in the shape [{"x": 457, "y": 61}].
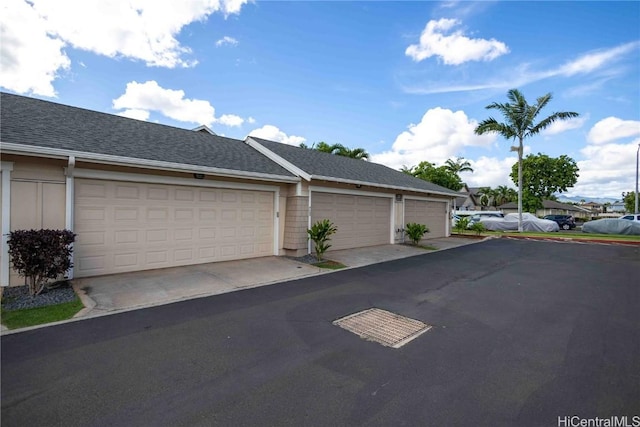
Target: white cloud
[
  {"x": 272, "y": 133},
  {"x": 440, "y": 135},
  {"x": 149, "y": 96},
  {"x": 565, "y": 125},
  {"x": 454, "y": 48},
  {"x": 35, "y": 32},
  {"x": 135, "y": 114},
  {"x": 522, "y": 75},
  {"x": 230, "y": 120},
  {"x": 226, "y": 40},
  {"x": 595, "y": 60},
  {"x": 30, "y": 59},
  {"x": 490, "y": 172},
  {"x": 251, "y": 120},
  {"x": 607, "y": 170},
  {"x": 613, "y": 128}
]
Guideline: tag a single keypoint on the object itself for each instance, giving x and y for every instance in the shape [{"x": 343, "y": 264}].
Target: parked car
[
  {"x": 612, "y": 226},
  {"x": 530, "y": 222},
  {"x": 633, "y": 217},
  {"x": 566, "y": 222},
  {"x": 476, "y": 217}
]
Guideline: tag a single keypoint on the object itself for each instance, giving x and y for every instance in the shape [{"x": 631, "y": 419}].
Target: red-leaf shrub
[{"x": 39, "y": 255}]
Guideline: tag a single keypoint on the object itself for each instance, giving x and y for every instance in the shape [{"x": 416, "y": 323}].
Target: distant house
[
  {"x": 617, "y": 207},
  {"x": 551, "y": 207},
  {"x": 595, "y": 208},
  {"x": 469, "y": 199}
]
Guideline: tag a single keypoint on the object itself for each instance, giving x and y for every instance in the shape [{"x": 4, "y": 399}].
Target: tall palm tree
[
  {"x": 519, "y": 124},
  {"x": 458, "y": 165},
  {"x": 504, "y": 194}
]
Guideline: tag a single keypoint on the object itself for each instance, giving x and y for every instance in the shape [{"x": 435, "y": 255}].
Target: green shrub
[
  {"x": 462, "y": 224},
  {"x": 415, "y": 231},
  {"x": 478, "y": 227},
  {"x": 319, "y": 233},
  {"x": 38, "y": 255}
]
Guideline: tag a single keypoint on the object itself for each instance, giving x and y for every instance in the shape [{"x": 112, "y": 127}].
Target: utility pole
[{"x": 637, "y": 158}]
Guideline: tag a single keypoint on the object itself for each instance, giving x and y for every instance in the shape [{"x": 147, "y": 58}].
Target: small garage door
[
  {"x": 125, "y": 226},
  {"x": 361, "y": 220},
  {"x": 433, "y": 214}
]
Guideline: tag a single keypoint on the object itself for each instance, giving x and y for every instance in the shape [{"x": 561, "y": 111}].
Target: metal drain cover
[{"x": 383, "y": 327}]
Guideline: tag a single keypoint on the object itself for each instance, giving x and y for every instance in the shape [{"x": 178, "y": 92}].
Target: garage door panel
[
  {"x": 134, "y": 226},
  {"x": 431, "y": 213},
  {"x": 360, "y": 220}
]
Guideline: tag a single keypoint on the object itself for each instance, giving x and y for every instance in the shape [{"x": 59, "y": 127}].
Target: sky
[{"x": 406, "y": 80}]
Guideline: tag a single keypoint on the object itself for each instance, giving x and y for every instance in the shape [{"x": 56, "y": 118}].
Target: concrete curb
[{"x": 572, "y": 240}]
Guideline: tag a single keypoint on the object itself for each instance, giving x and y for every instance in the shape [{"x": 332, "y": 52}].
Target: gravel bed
[
  {"x": 307, "y": 259},
  {"x": 18, "y": 298}
]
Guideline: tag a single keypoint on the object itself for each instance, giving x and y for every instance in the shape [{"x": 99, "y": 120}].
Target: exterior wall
[
  {"x": 296, "y": 224},
  {"x": 37, "y": 198}
]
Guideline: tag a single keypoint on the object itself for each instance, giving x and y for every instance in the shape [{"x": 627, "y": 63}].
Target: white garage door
[
  {"x": 361, "y": 220},
  {"x": 433, "y": 214},
  {"x": 125, "y": 226}
]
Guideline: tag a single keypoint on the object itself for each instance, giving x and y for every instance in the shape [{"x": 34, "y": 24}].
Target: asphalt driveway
[{"x": 524, "y": 332}]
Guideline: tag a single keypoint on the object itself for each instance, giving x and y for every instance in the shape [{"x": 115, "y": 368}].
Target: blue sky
[{"x": 407, "y": 81}]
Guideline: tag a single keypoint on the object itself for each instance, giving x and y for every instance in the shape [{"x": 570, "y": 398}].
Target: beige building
[{"x": 141, "y": 195}]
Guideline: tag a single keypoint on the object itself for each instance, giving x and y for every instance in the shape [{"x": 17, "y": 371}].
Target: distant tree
[
  {"x": 487, "y": 195},
  {"x": 629, "y": 201},
  {"x": 519, "y": 124},
  {"x": 442, "y": 176},
  {"x": 542, "y": 176},
  {"x": 337, "y": 149},
  {"x": 504, "y": 194},
  {"x": 458, "y": 165}
]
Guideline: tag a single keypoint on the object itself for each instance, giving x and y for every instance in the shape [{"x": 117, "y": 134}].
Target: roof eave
[{"x": 21, "y": 149}]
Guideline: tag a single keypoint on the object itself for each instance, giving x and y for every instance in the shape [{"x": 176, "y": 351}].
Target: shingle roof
[
  {"x": 38, "y": 123},
  {"x": 325, "y": 165}
]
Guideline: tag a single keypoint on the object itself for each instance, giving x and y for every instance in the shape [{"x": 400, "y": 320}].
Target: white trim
[
  {"x": 428, "y": 199},
  {"x": 5, "y": 173},
  {"x": 276, "y": 222},
  {"x": 171, "y": 180},
  {"x": 10, "y": 148},
  {"x": 373, "y": 184},
  {"x": 70, "y": 203},
  {"x": 276, "y": 158},
  {"x": 350, "y": 192},
  {"x": 392, "y": 226},
  {"x": 205, "y": 129}
]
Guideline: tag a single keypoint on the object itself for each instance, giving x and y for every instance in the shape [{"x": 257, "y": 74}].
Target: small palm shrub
[
  {"x": 40, "y": 255},
  {"x": 478, "y": 227},
  {"x": 415, "y": 232},
  {"x": 320, "y": 233},
  {"x": 462, "y": 224}
]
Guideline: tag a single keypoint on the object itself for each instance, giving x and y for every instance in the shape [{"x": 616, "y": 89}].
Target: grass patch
[
  {"x": 328, "y": 264},
  {"x": 574, "y": 236},
  {"x": 427, "y": 247},
  {"x": 37, "y": 316}
]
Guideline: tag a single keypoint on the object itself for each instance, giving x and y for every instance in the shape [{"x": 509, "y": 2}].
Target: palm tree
[
  {"x": 520, "y": 124},
  {"x": 504, "y": 194},
  {"x": 458, "y": 165},
  {"x": 354, "y": 153},
  {"x": 487, "y": 195}
]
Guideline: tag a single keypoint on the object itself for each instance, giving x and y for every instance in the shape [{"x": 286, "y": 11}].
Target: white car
[
  {"x": 632, "y": 217},
  {"x": 530, "y": 222}
]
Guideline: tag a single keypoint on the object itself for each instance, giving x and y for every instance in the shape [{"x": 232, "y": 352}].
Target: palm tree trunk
[{"x": 520, "y": 186}]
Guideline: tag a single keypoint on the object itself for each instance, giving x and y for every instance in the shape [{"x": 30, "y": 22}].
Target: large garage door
[
  {"x": 361, "y": 220},
  {"x": 124, "y": 226},
  {"x": 433, "y": 214}
]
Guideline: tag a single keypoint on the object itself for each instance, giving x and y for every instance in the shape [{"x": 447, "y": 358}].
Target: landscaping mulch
[{"x": 18, "y": 298}]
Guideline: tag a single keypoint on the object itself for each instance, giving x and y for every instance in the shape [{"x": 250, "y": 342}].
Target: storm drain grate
[{"x": 383, "y": 327}]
